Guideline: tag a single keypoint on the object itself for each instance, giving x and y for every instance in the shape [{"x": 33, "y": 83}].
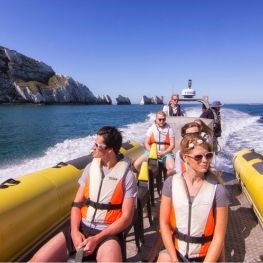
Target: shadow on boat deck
[
  {"x": 244, "y": 237},
  {"x": 152, "y": 240}
]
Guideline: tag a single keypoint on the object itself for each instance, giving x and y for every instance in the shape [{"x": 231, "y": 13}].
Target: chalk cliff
[{"x": 26, "y": 80}]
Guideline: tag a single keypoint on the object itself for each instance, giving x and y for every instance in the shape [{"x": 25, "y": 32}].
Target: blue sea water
[{"x": 33, "y": 137}]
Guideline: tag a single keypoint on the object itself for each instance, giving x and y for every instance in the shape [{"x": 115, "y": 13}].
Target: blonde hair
[
  {"x": 175, "y": 95},
  {"x": 189, "y": 142},
  {"x": 161, "y": 113}
]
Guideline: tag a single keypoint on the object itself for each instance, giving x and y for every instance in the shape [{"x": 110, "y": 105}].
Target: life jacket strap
[
  {"x": 165, "y": 143},
  {"x": 100, "y": 206},
  {"x": 77, "y": 204},
  {"x": 190, "y": 239}
]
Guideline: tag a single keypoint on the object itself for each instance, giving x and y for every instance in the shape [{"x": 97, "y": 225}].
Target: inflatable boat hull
[
  {"x": 248, "y": 166},
  {"x": 33, "y": 209}
]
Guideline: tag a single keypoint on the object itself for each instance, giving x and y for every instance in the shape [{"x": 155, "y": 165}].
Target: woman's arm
[
  {"x": 217, "y": 243},
  {"x": 165, "y": 227}
]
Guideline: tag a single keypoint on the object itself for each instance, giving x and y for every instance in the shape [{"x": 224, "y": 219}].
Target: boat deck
[{"x": 244, "y": 239}]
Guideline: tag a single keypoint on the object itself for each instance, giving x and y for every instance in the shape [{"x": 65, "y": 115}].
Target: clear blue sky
[{"x": 144, "y": 47}]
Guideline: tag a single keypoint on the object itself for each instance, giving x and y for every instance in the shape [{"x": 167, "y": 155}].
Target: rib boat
[{"x": 35, "y": 206}]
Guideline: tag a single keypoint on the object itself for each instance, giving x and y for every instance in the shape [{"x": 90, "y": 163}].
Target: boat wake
[{"x": 240, "y": 130}]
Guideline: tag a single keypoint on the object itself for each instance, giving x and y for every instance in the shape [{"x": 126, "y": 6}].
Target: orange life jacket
[
  {"x": 104, "y": 193},
  {"x": 161, "y": 137},
  {"x": 193, "y": 222}
]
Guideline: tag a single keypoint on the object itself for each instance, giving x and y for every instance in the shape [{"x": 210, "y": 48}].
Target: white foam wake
[{"x": 240, "y": 130}]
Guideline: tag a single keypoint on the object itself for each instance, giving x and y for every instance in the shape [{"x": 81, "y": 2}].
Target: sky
[{"x": 144, "y": 47}]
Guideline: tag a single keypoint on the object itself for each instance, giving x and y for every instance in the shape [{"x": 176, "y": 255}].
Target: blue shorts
[{"x": 163, "y": 158}]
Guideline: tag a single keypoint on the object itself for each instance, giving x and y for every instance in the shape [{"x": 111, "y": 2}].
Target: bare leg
[
  {"x": 137, "y": 163},
  {"x": 109, "y": 251},
  {"x": 164, "y": 257},
  {"x": 170, "y": 165},
  {"x": 55, "y": 250}
]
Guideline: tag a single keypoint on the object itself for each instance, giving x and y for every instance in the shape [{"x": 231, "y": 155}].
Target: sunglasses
[
  {"x": 198, "y": 157},
  {"x": 100, "y": 146},
  {"x": 192, "y": 133},
  {"x": 161, "y": 119}
]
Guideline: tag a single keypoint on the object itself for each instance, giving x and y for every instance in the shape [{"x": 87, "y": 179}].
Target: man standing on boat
[
  {"x": 102, "y": 209},
  {"x": 173, "y": 108},
  {"x": 214, "y": 113}
]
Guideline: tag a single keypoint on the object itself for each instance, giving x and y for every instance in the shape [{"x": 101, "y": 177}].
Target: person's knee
[
  {"x": 170, "y": 164},
  {"x": 109, "y": 251},
  {"x": 137, "y": 163},
  {"x": 163, "y": 257}
]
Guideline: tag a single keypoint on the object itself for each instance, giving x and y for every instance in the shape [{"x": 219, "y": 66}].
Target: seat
[
  {"x": 135, "y": 225},
  {"x": 157, "y": 175},
  {"x": 143, "y": 199},
  {"x": 160, "y": 178}
]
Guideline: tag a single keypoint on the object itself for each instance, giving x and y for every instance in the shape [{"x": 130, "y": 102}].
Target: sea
[{"x": 34, "y": 137}]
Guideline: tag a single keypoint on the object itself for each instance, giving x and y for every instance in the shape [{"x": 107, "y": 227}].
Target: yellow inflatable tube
[
  {"x": 41, "y": 203},
  {"x": 248, "y": 166}
]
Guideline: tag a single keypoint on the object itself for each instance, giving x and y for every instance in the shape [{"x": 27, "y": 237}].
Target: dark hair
[{"x": 112, "y": 137}]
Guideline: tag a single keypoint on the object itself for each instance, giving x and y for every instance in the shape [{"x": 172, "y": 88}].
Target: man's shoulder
[
  {"x": 152, "y": 127},
  {"x": 168, "y": 126}
]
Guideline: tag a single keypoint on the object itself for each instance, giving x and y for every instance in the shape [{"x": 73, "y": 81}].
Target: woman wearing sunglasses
[
  {"x": 194, "y": 208},
  {"x": 189, "y": 128}
]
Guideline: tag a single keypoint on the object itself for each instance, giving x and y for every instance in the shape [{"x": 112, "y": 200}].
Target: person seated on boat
[
  {"x": 163, "y": 135},
  {"x": 194, "y": 208},
  {"x": 173, "y": 108},
  {"x": 213, "y": 113},
  {"x": 103, "y": 206},
  {"x": 196, "y": 127},
  {"x": 188, "y": 128}
]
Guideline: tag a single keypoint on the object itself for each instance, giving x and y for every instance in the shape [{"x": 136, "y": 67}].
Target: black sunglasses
[{"x": 198, "y": 157}]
